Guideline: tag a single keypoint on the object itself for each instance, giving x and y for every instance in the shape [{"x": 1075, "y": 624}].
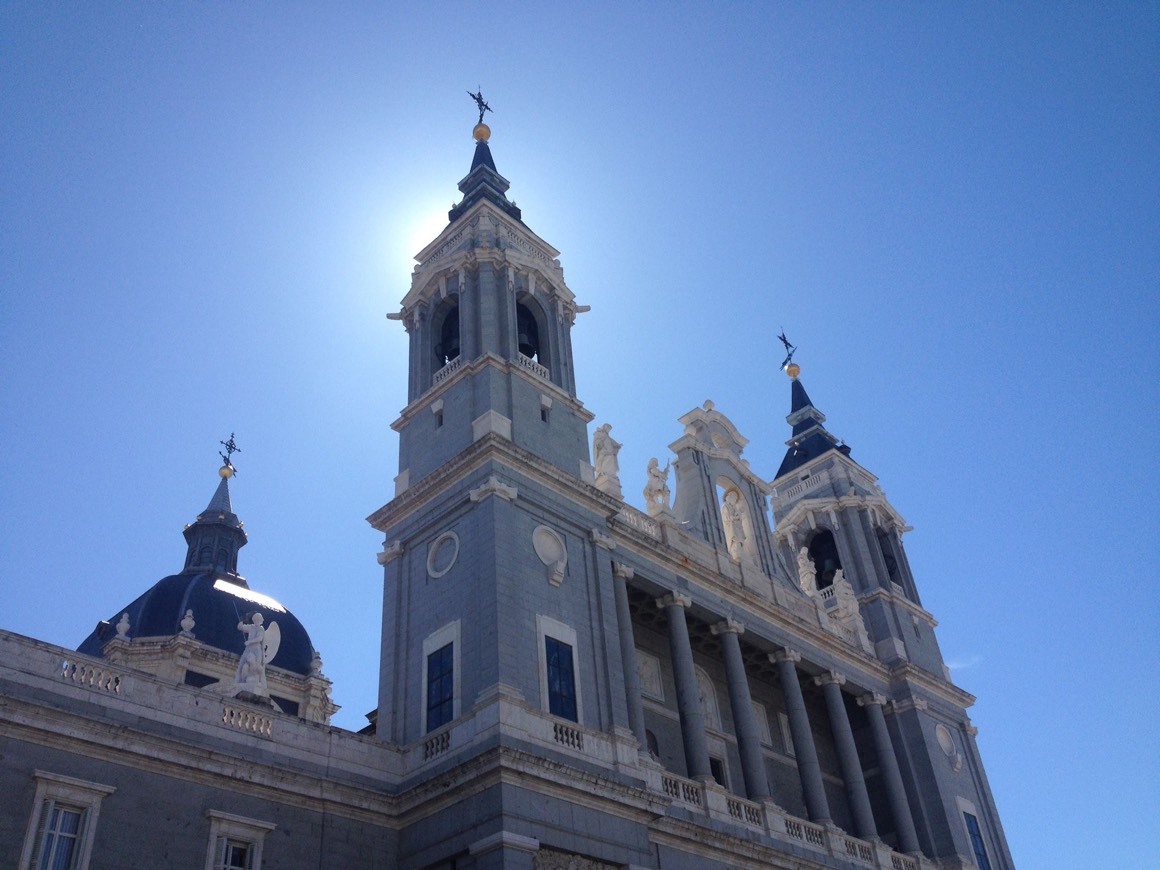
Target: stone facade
[{"x": 565, "y": 681}]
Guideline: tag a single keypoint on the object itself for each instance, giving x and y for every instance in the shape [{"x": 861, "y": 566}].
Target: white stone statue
[
  {"x": 123, "y": 627},
  {"x": 807, "y": 573},
  {"x": 656, "y": 491},
  {"x": 734, "y": 515},
  {"x": 252, "y": 668},
  {"x": 604, "y": 457}
]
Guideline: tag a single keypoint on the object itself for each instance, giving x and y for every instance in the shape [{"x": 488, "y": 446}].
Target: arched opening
[
  {"x": 447, "y": 344},
  {"x": 528, "y": 333},
  {"x": 824, "y": 553}
]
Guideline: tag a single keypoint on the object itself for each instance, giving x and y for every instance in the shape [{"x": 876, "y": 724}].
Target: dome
[{"x": 219, "y": 602}]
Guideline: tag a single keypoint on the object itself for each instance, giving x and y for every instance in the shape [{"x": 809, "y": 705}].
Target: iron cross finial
[
  {"x": 789, "y": 349},
  {"x": 480, "y": 103},
  {"x": 231, "y": 448}
]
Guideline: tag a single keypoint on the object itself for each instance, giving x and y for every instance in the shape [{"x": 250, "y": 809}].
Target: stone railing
[
  {"x": 534, "y": 367},
  {"x": 568, "y": 736},
  {"x": 85, "y": 674},
  {"x": 640, "y": 521},
  {"x": 746, "y": 811},
  {"x": 798, "y": 488},
  {"x": 447, "y": 371},
  {"x": 247, "y": 720},
  {"x": 684, "y": 790},
  {"x": 436, "y": 745}
]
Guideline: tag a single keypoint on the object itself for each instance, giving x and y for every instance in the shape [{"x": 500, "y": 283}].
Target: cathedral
[{"x": 740, "y": 675}]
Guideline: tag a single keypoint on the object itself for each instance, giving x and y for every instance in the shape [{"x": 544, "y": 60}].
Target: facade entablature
[
  {"x": 899, "y": 599},
  {"x": 824, "y": 512},
  {"x": 485, "y": 234},
  {"x": 493, "y": 360},
  {"x": 491, "y": 447}
]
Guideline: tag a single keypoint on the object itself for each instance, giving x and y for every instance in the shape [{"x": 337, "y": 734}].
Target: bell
[{"x": 525, "y": 344}]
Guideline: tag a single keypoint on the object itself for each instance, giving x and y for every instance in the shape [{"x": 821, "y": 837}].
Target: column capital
[
  {"x": 625, "y": 572},
  {"x": 390, "y": 552},
  {"x": 678, "y": 598},
  {"x": 732, "y": 626},
  {"x": 872, "y": 698},
  {"x": 785, "y": 655},
  {"x": 829, "y": 677},
  {"x": 912, "y": 703}
]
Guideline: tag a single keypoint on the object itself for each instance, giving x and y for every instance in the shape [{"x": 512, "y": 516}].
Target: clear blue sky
[{"x": 207, "y": 209}]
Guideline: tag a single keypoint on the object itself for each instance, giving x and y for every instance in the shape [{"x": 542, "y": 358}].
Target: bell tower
[{"x": 489, "y": 318}]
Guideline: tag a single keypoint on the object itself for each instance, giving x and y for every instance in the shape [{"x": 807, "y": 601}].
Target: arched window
[
  {"x": 528, "y": 333},
  {"x": 708, "y": 694},
  {"x": 447, "y": 344},
  {"x": 824, "y": 552}
]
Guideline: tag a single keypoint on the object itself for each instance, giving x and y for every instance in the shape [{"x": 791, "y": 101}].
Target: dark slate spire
[
  {"x": 809, "y": 437},
  {"x": 216, "y": 535},
  {"x": 483, "y": 181}
]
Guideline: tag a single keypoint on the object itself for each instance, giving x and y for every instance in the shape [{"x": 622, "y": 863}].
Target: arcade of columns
[{"x": 692, "y": 719}]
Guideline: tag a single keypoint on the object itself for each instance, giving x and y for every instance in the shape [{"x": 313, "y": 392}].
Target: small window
[
  {"x": 654, "y": 748},
  {"x": 235, "y": 854},
  {"x": 235, "y": 842},
  {"x": 63, "y": 820},
  {"x": 441, "y": 677},
  {"x": 717, "y": 768},
  {"x": 977, "y": 841},
  {"x": 786, "y": 735},
  {"x": 561, "y": 679},
  {"x": 440, "y": 687}
]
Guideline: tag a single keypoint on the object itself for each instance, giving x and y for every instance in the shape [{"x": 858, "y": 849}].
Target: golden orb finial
[
  {"x": 793, "y": 370},
  {"x": 226, "y": 472},
  {"x": 481, "y": 133}
]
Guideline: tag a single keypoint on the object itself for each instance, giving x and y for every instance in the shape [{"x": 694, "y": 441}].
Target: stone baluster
[
  {"x": 688, "y": 695},
  {"x": 741, "y": 702}
]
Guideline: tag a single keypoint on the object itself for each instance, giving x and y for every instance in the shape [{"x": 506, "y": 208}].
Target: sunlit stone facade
[{"x": 565, "y": 681}]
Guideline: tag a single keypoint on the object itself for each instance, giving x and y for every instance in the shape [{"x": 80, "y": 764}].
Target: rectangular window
[
  {"x": 61, "y": 829},
  {"x": 64, "y": 817},
  {"x": 235, "y": 841},
  {"x": 235, "y": 854},
  {"x": 786, "y": 734},
  {"x": 561, "y": 679},
  {"x": 977, "y": 841},
  {"x": 717, "y": 769},
  {"x": 440, "y": 687}
]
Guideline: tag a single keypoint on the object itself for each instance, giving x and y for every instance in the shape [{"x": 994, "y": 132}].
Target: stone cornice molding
[
  {"x": 829, "y": 677},
  {"x": 728, "y": 626},
  {"x": 912, "y": 703},
  {"x": 901, "y": 600},
  {"x": 680, "y": 599},
  {"x": 390, "y": 552},
  {"x": 805, "y": 512},
  {"x": 503, "y": 840},
  {"x": 909, "y": 674},
  {"x": 433, "y": 393},
  {"x": 493, "y": 486},
  {"x": 601, "y": 539}
]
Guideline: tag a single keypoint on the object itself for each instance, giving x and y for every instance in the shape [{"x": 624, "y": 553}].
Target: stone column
[
  {"x": 856, "y": 793},
  {"x": 810, "y": 772},
  {"x": 891, "y": 775},
  {"x": 688, "y": 696},
  {"x": 621, "y": 575},
  {"x": 741, "y": 702}
]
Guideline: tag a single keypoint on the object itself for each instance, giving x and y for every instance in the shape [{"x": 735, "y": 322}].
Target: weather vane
[
  {"x": 231, "y": 448},
  {"x": 789, "y": 349},
  {"x": 480, "y": 103}
]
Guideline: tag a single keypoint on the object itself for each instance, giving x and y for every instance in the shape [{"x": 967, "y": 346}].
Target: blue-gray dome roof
[{"x": 219, "y": 602}]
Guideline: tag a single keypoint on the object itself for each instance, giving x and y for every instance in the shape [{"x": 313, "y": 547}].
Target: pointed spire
[
  {"x": 809, "y": 436},
  {"x": 215, "y": 537},
  {"x": 483, "y": 181}
]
